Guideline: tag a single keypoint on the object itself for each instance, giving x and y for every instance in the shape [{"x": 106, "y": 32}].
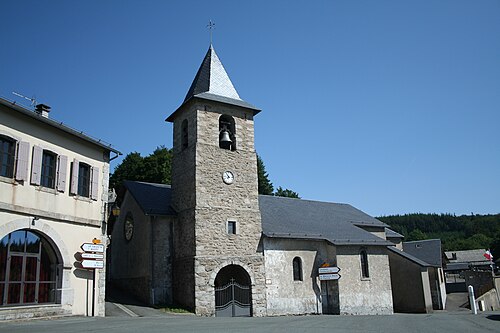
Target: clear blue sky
[{"x": 390, "y": 106}]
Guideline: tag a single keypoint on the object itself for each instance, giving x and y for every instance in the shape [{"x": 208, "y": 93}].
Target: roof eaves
[
  {"x": 214, "y": 98},
  {"x": 371, "y": 242},
  {"x": 375, "y": 223},
  {"x": 58, "y": 125}
]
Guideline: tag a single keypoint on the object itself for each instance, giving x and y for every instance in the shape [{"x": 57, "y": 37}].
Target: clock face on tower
[{"x": 228, "y": 177}]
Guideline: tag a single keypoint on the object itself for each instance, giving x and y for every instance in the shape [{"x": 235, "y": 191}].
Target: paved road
[{"x": 438, "y": 322}]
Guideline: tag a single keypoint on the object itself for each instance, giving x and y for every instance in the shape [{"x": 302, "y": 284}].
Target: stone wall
[
  {"x": 131, "y": 260},
  {"x": 363, "y": 296},
  {"x": 205, "y": 204},
  {"x": 284, "y": 295},
  {"x": 162, "y": 245},
  {"x": 206, "y": 270}
]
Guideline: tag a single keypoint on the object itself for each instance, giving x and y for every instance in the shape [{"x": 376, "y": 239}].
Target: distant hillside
[{"x": 465, "y": 232}]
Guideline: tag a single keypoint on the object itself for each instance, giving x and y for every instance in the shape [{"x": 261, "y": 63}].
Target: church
[{"x": 210, "y": 243}]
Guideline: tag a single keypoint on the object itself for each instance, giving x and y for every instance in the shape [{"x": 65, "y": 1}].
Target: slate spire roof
[
  {"x": 212, "y": 78},
  {"x": 212, "y": 83}
]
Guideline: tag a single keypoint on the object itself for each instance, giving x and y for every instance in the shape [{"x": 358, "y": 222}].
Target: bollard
[{"x": 472, "y": 300}]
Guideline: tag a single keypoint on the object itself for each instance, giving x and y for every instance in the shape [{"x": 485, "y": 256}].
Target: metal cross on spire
[{"x": 211, "y": 26}]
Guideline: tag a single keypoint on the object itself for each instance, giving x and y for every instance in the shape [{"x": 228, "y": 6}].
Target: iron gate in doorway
[{"x": 233, "y": 300}]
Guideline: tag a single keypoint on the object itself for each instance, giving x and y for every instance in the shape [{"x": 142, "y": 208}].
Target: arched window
[
  {"x": 28, "y": 269},
  {"x": 184, "y": 134},
  {"x": 297, "y": 269},
  {"x": 227, "y": 133},
  {"x": 365, "y": 273},
  {"x": 7, "y": 157}
]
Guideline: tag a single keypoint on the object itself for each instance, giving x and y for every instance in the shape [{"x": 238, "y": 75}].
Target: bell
[{"x": 224, "y": 137}]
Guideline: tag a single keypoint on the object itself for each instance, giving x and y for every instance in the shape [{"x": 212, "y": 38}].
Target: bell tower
[{"x": 215, "y": 193}]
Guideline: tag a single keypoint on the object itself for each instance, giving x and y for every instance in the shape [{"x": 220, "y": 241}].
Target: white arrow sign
[
  {"x": 328, "y": 277},
  {"x": 93, "y": 264},
  {"x": 89, "y": 247},
  {"x": 92, "y": 255},
  {"x": 328, "y": 270}
]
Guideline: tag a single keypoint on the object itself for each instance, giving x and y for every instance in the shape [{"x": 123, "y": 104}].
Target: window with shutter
[
  {"x": 48, "y": 174},
  {"x": 83, "y": 180},
  {"x": 7, "y": 155}
]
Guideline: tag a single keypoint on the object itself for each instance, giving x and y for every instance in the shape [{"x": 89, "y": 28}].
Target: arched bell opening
[
  {"x": 233, "y": 292},
  {"x": 227, "y": 133}
]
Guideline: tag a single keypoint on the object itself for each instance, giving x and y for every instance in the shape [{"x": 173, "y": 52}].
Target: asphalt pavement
[
  {"x": 125, "y": 314},
  {"x": 438, "y": 322}
]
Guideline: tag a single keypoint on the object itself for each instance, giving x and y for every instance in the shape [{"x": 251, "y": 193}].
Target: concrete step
[{"x": 33, "y": 311}]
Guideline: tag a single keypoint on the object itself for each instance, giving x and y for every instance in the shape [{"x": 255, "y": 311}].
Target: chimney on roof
[{"x": 42, "y": 110}]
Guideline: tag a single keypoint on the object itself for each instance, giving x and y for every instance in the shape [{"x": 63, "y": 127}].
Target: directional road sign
[
  {"x": 328, "y": 277},
  {"x": 328, "y": 270},
  {"x": 89, "y": 247},
  {"x": 93, "y": 264},
  {"x": 86, "y": 255}
]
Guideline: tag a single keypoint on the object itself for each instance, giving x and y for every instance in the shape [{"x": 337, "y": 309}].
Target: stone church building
[{"x": 210, "y": 243}]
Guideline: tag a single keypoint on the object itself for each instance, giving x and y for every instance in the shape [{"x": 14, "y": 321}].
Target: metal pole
[
  {"x": 93, "y": 292},
  {"x": 472, "y": 300},
  {"x": 87, "y": 299}
]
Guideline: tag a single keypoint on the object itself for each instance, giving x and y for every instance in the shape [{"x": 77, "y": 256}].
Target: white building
[{"x": 53, "y": 195}]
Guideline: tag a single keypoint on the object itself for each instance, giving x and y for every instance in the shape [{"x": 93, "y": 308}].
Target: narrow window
[
  {"x": 7, "y": 155},
  {"x": 48, "y": 174},
  {"x": 83, "y": 180},
  {"x": 227, "y": 133},
  {"x": 364, "y": 264},
  {"x": 297, "y": 269},
  {"x": 231, "y": 227},
  {"x": 184, "y": 137}
]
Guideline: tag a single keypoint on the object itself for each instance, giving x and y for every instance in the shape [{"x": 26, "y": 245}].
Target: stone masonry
[{"x": 205, "y": 204}]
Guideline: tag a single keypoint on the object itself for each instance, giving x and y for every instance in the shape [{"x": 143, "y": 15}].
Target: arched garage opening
[{"x": 233, "y": 292}]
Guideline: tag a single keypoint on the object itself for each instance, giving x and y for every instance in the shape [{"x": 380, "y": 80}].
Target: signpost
[
  {"x": 328, "y": 273},
  {"x": 86, "y": 255},
  {"x": 328, "y": 270},
  {"x": 90, "y": 247},
  {"x": 93, "y": 258},
  {"x": 329, "y": 277},
  {"x": 92, "y": 264}
]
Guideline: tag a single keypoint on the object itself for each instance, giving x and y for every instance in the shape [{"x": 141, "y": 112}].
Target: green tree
[
  {"x": 416, "y": 235},
  {"x": 157, "y": 167},
  {"x": 129, "y": 169},
  {"x": 280, "y": 192},
  {"x": 154, "y": 168},
  {"x": 265, "y": 185}
]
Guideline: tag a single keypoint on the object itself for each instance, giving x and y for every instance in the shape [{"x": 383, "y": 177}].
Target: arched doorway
[
  {"x": 233, "y": 292},
  {"x": 29, "y": 269}
]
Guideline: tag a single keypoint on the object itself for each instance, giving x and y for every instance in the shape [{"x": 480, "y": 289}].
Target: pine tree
[{"x": 265, "y": 185}]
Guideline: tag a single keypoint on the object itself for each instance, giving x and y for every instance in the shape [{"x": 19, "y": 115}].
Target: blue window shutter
[
  {"x": 62, "y": 166},
  {"x": 73, "y": 186},
  {"x": 23, "y": 155},
  {"x": 36, "y": 165},
  {"x": 95, "y": 183}
]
